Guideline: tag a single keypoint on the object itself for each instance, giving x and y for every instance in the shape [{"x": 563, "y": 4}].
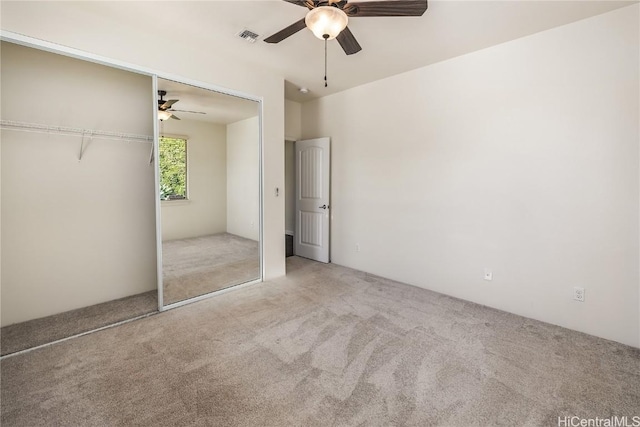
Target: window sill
[{"x": 177, "y": 202}]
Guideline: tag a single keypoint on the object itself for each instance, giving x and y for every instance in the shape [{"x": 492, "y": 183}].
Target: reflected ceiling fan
[
  {"x": 164, "y": 108},
  {"x": 328, "y": 19}
]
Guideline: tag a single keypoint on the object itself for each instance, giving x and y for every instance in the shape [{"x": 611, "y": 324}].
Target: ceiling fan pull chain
[{"x": 325, "y": 61}]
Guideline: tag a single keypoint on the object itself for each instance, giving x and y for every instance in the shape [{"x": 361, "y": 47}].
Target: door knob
[{"x": 324, "y": 207}]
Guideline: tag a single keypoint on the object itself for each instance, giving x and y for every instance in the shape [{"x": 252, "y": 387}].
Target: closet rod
[{"x": 35, "y": 127}]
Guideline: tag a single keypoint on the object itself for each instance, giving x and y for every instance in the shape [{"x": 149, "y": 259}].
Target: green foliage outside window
[{"x": 173, "y": 168}]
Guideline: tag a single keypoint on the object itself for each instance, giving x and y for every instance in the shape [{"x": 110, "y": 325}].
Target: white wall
[
  {"x": 243, "y": 177},
  {"x": 78, "y": 27},
  {"x": 75, "y": 233},
  {"x": 206, "y": 210},
  {"x": 522, "y": 157},
  {"x": 292, "y": 120}
]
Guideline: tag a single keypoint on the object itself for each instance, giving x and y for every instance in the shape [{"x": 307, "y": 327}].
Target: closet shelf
[
  {"x": 35, "y": 127},
  {"x": 83, "y": 133}
]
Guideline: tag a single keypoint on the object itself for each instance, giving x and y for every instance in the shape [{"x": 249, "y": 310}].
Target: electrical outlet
[
  {"x": 357, "y": 247},
  {"x": 488, "y": 274},
  {"x": 578, "y": 294}
]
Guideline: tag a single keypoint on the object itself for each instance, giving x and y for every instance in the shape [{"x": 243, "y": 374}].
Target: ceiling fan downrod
[{"x": 326, "y": 37}]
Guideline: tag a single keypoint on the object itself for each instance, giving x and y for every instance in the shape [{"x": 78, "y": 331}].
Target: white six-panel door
[{"x": 312, "y": 199}]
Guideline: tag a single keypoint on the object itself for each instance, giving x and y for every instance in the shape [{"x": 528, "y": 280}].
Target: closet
[
  {"x": 78, "y": 205},
  {"x": 84, "y": 217}
]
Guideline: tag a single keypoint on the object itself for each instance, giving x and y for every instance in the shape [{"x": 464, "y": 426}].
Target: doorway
[
  {"x": 289, "y": 195},
  {"x": 307, "y": 197}
]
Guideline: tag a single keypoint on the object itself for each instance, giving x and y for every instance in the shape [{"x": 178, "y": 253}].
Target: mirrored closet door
[{"x": 208, "y": 191}]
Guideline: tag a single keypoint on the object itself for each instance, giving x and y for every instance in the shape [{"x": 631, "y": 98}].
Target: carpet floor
[
  {"x": 191, "y": 267},
  {"x": 33, "y": 333},
  {"x": 323, "y": 346},
  {"x": 197, "y": 266}
]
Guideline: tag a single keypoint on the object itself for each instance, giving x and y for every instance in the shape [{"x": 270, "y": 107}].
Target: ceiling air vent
[{"x": 248, "y": 35}]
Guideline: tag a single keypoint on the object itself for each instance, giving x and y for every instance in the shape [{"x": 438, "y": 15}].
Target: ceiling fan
[
  {"x": 164, "y": 108},
  {"x": 328, "y": 19}
]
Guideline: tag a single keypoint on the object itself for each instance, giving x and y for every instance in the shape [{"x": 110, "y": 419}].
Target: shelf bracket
[{"x": 82, "y": 146}]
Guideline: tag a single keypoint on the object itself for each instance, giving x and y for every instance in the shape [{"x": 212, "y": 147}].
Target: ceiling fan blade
[
  {"x": 348, "y": 42},
  {"x": 188, "y": 111},
  {"x": 168, "y": 104},
  {"x": 173, "y": 116},
  {"x": 300, "y": 3},
  {"x": 386, "y": 8},
  {"x": 289, "y": 31}
]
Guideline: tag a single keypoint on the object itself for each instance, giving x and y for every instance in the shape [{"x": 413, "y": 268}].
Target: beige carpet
[
  {"x": 197, "y": 266},
  {"x": 191, "y": 267},
  {"x": 33, "y": 333},
  {"x": 324, "y": 346}
]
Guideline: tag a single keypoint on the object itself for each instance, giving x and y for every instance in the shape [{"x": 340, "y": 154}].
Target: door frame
[{"x": 329, "y": 211}]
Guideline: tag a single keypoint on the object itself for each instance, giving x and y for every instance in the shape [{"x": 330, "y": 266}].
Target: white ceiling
[
  {"x": 218, "y": 107},
  {"x": 391, "y": 46}
]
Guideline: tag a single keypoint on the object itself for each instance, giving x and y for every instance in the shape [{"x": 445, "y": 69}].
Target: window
[{"x": 173, "y": 168}]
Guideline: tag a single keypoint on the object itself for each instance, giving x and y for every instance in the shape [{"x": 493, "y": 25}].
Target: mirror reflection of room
[{"x": 209, "y": 190}]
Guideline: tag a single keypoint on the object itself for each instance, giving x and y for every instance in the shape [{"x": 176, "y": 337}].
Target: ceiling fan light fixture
[
  {"x": 163, "y": 115},
  {"x": 326, "y": 22}
]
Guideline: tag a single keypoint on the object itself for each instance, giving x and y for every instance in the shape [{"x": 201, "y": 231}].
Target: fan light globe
[
  {"x": 163, "y": 115},
  {"x": 326, "y": 21}
]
